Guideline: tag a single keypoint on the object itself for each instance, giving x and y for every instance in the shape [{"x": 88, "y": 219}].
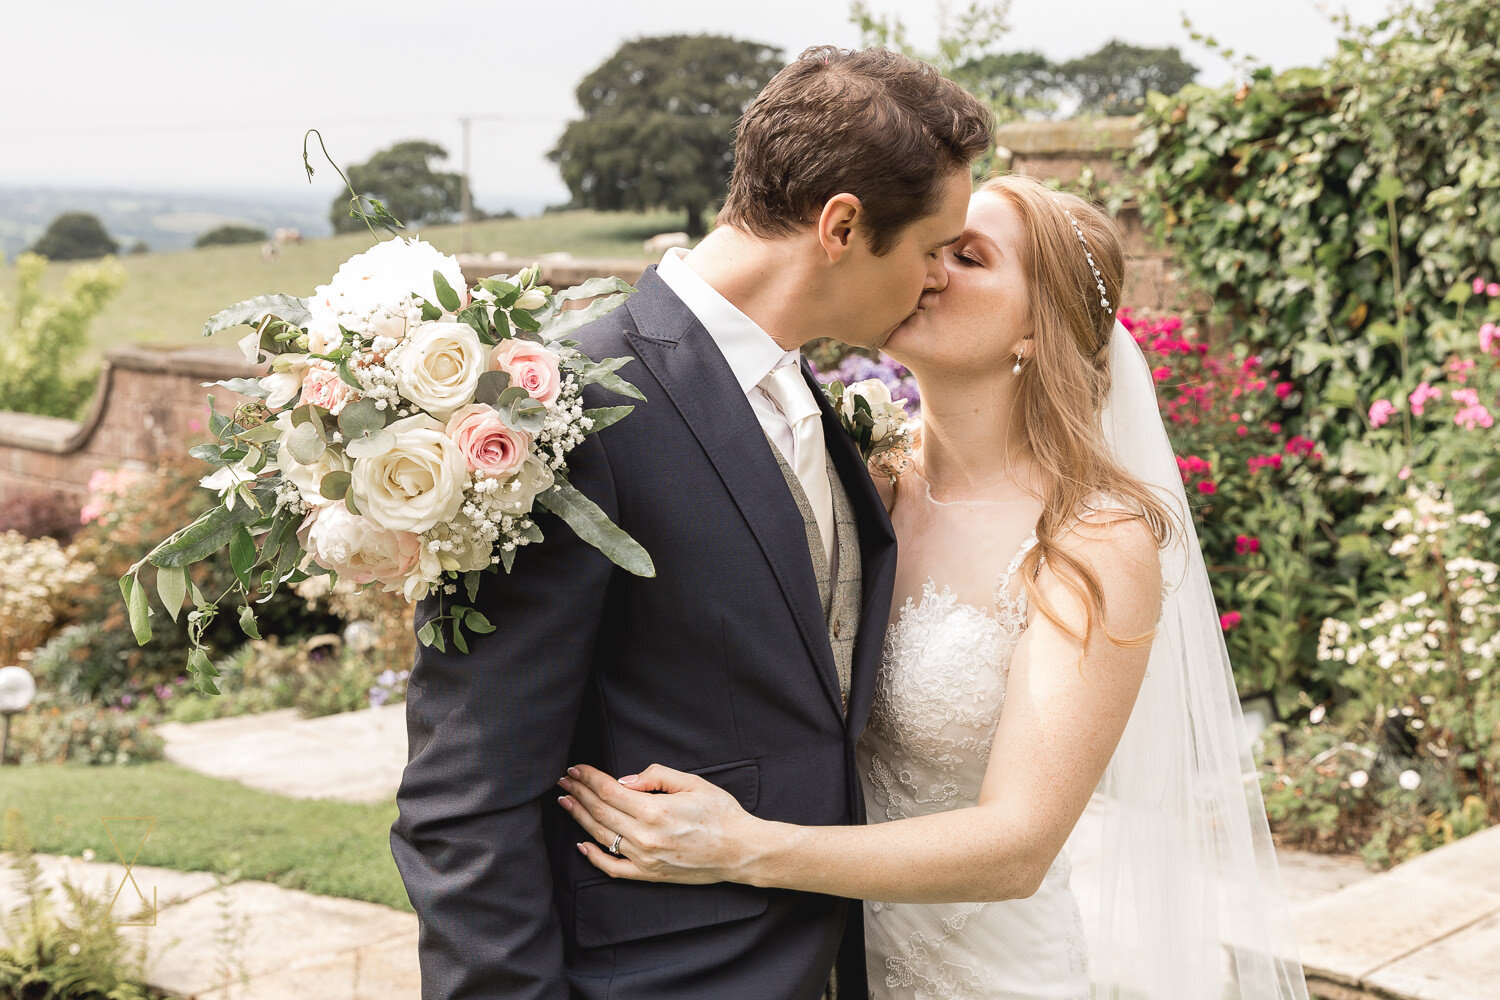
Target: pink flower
[
  {"x": 1421, "y": 396},
  {"x": 1478, "y": 286},
  {"x": 1274, "y": 427},
  {"x": 1492, "y": 289},
  {"x": 1459, "y": 368},
  {"x": 1381, "y": 412},
  {"x": 1230, "y": 620},
  {"x": 1489, "y": 336},
  {"x": 1242, "y": 430},
  {"x": 1244, "y": 545},
  {"x": 1208, "y": 487},
  {"x": 357, "y": 548},
  {"x": 530, "y": 366},
  {"x": 323, "y": 387},
  {"x": 1465, "y": 397},
  {"x": 195, "y": 425},
  {"x": 489, "y": 446},
  {"x": 1283, "y": 390},
  {"x": 1404, "y": 474},
  {"x": 1161, "y": 374},
  {"x": 1473, "y": 416}
]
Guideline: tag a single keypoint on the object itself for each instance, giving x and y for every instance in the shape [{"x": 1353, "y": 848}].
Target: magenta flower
[
  {"x": 1421, "y": 396},
  {"x": 1283, "y": 390},
  {"x": 1478, "y": 286},
  {"x": 1230, "y": 620},
  {"x": 1381, "y": 412},
  {"x": 1208, "y": 487},
  {"x": 1489, "y": 337},
  {"x": 1492, "y": 290},
  {"x": 1245, "y": 545}
]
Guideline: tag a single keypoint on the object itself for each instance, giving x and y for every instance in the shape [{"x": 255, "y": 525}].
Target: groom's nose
[{"x": 937, "y": 276}]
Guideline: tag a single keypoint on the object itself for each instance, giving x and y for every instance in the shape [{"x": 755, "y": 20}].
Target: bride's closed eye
[{"x": 968, "y": 260}]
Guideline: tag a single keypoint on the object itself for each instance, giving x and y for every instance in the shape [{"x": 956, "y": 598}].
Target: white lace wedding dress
[{"x": 957, "y": 617}]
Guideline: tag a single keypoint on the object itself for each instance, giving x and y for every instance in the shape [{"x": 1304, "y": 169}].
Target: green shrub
[
  {"x": 1325, "y": 208},
  {"x": 51, "y": 733},
  {"x": 41, "y": 336}
]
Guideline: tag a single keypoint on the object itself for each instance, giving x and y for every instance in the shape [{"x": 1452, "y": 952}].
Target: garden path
[{"x": 1426, "y": 930}]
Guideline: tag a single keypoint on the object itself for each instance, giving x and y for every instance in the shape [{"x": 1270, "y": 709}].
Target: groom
[{"x": 751, "y": 657}]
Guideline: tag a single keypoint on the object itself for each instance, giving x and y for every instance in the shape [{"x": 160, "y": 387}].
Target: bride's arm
[{"x": 1063, "y": 717}]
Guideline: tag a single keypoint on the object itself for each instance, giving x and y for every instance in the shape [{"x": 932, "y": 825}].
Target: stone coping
[
  {"x": 57, "y": 436},
  {"x": 1067, "y": 138}
]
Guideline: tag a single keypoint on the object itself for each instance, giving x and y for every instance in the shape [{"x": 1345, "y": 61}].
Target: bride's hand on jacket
[{"x": 673, "y": 826}]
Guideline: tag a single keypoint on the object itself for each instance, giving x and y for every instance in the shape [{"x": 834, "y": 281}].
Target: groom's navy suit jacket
[{"x": 719, "y": 665}]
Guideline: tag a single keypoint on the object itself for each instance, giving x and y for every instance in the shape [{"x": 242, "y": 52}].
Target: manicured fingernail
[
  {"x": 630, "y": 779},
  {"x": 583, "y": 849},
  {"x": 565, "y": 802},
  {"x": 573, "y": 771}
]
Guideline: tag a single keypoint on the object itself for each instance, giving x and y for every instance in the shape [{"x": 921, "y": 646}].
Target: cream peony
[
  {"x": 530, "y": 366},
  {"x": 438, "y": 366},
  {"x": 418, "y": 483},
  {"x": 356, "y": 549},
  {"x": 488, "y": 445}
]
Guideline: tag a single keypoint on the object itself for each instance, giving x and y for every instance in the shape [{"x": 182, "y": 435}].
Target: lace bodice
[{"x": 938, "y": 701}]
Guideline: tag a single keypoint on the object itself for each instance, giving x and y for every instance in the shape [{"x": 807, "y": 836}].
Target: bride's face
[{"x": 978, "y": 321}]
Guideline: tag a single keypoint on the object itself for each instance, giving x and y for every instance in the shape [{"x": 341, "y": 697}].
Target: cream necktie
[{"x": 808, "y": 460}]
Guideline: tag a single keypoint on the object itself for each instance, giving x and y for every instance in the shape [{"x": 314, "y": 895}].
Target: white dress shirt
[{"x": 750, "y": 351}]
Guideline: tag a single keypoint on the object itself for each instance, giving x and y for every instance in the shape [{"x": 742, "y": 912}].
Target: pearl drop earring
[{"x": 1017, "y": 369}]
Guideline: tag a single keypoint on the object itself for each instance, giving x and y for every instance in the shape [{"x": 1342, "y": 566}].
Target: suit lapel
[
  {"x": 877, "y": 549},
  {"x": 677, "y": 349}
]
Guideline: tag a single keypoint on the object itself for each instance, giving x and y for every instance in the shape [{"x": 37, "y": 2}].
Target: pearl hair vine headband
[{"x": 1098, "y": 278}]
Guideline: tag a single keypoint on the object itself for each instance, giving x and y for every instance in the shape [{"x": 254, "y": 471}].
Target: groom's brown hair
[{"x": 873, "y": 123}]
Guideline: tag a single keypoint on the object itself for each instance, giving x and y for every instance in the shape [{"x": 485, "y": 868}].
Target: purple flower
[{"x": 378, "y": 696}]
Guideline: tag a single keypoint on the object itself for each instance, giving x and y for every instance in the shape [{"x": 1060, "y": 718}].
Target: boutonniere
[{"x": 877, "y": 423}]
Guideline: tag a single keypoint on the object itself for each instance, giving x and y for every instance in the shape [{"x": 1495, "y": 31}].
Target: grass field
[
  {"x": 168, "y": 296},
  {"x": 208, "y": 824}
]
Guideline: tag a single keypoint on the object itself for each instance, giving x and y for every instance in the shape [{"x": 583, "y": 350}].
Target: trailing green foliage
[
  {"x": 41, "y": 336},
  {"x": 1329, "y": 211}
]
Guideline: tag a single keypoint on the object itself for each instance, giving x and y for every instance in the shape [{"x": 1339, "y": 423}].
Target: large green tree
[
  {"x": 1116, "y": 79},
  {"x": 75, "y": 236},
  {"x": 404, "y": 180},
  {"x": 658, "y": 123}
]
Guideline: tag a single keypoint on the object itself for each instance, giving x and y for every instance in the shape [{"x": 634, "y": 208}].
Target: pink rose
[
  {"x": 488, "y": 446},
  {"x": 530, "y": 366},
  {"x": 324, "y": 388},
  {"x": 1381, "y": 412}
]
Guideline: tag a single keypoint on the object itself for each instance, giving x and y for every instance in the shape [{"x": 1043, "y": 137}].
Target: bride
[{"x": 1054, "y": 687}]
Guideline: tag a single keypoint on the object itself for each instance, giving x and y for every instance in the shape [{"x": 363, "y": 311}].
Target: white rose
[
  {"x": 307, "y": 478},
  {"x": 519, "y": 490},
  {"x": 422, "y": 579},
  {"x": 438, "y": 366},
  {"x": 418, "y": 483},
  {"x": 874, "y": 390}
]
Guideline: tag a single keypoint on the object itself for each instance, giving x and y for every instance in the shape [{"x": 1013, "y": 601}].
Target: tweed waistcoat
[{"x": 841, "y": 598}]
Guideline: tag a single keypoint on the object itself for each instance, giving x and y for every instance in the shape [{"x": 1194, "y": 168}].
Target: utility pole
[{"x": 464, "y": 186}]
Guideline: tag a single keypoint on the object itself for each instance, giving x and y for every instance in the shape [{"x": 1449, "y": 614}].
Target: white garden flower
[
  {"x": 372, "y": 292},
  {"x": 1359, "y": 779},
  {"x": 357, "y": 549},
  {"x": 1410, "y": 780},
  {"x": 418, "y": 483}
]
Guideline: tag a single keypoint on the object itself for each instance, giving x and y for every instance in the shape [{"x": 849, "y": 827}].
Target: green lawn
[
  {"x": 168, "y": 296},
  {"x": 208, "y": 824}
]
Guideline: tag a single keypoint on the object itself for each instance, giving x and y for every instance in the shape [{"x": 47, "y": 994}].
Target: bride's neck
[
  {"x": 972, "y": 444},
  {"x": 771, "y": 281}
]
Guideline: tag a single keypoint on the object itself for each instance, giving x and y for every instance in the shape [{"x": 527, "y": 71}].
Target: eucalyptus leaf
[
  {"x": 359, "y": 417},
  {"x": 604, "y": 416},
  {"x": 140, "y": 611},
  {"x": 305, "y": 443},
  {"x": 203, "y": 537},
  {"x": 571, "y": 319},
  {"x": 491, "y": 385},
  {"x": 371, "y": 445},
  {"x": 335, "y": 485},
  {"x": 244, "y": 386},
  {"x": 594, "y": 526}
]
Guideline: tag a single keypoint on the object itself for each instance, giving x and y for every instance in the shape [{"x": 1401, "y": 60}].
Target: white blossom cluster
[{"x": 35, "y": 576}]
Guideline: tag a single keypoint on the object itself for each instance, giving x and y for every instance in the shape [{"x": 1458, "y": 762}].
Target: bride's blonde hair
[{"x": 1064, "y": 383}]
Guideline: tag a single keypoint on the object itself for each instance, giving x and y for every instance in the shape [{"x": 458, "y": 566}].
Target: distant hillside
[{"x": 164, "y": 221}]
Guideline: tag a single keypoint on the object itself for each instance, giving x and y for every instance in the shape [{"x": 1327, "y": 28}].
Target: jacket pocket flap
[{"x": 618, "y": 910}]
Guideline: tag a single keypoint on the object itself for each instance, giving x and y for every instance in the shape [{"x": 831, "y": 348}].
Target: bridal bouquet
[{"x": 406, "y": 431}]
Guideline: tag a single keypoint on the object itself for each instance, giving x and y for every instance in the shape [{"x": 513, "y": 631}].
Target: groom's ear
[{"x": 836, "y": 225}]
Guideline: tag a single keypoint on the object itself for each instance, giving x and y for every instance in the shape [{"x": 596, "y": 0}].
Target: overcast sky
[{"x": 203, "y": 95}]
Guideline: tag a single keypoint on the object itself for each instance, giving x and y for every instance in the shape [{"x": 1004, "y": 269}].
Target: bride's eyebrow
[{"x": 975, "y": 236}]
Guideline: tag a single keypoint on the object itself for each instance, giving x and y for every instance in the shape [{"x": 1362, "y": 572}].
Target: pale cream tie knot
[{"x": 791, "y": 394}]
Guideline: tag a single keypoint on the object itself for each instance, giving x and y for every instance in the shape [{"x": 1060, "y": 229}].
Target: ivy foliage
[{"x": 1329, "y": 211}]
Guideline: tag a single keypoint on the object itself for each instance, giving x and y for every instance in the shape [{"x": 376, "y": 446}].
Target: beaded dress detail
[{"x": 938, "y": 700}]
